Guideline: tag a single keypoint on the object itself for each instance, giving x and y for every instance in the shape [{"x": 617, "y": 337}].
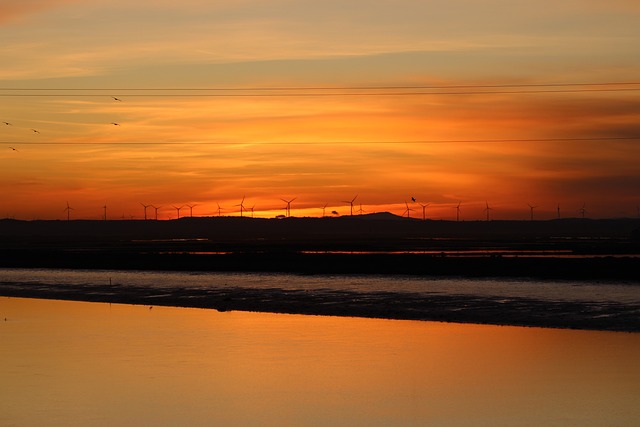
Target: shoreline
[
  {"x": 514, "y": 311},
  {"x": 378, "y": 244}
]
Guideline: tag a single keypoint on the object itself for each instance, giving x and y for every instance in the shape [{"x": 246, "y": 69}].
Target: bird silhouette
[
  {"x": 116, "y": 99},
  {"x": 14, "y": 149},
  {"x": 7, "y": 123},
  {"x": 413, "y": 199},
  {"x": 115, "y": 124},
  {"x": 35, "y": 131}
]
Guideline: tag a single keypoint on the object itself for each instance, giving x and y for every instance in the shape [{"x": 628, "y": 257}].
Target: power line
[
  {"x": 319, "y": 94},
  {"x": 293, "y": 88},
  {"x": 443, "y": 141},
  {"x": 328, "y": 91}
]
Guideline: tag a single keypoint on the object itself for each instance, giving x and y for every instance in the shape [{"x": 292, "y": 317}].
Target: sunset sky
[{"x": 504, "y": 102}]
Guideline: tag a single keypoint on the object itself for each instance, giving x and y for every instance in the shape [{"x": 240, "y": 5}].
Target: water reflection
[{"x": 84, "y": 364}]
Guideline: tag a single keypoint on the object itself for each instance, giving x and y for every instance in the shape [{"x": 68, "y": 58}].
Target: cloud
[{"x": 12, "y": 10}]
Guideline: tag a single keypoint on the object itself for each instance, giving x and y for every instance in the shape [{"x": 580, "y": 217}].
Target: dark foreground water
[{"x": 604, "y": 305}]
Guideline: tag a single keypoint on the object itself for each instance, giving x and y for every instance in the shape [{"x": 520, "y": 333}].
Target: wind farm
[
  {"x": 197, "y": 176},
  {"x": 271, "y": 208}
]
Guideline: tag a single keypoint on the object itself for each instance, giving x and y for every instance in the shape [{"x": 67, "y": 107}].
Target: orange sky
[{"x": 508, "y": 137}]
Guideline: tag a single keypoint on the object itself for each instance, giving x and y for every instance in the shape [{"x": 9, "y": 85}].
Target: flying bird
[
  {"x": 14, "y": 149},
  {"x": 35, "y": 131},
  {"x": 116, "y": 99},
  {"x": 413, "y": 199},
  {"x": 115, "y": 124},
  {"x": 7, "y": 123}
]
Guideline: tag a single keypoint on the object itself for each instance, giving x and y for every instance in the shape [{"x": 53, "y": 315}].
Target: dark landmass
[
  {"x": 387, "y": 305},
  {"x": 571, "y": 249},
  {"x": 376, "y": 244}
]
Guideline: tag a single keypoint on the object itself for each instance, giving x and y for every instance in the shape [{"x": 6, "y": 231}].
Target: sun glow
[{"x": 290, "y": 110}]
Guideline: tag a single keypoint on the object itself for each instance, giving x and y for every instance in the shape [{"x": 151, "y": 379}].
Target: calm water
[
  {"x": 96, "y": 364},
  {"x": 600, "y": 291}
]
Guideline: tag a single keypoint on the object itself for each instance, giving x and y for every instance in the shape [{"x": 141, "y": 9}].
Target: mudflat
[{"x": 573, "y": 249}]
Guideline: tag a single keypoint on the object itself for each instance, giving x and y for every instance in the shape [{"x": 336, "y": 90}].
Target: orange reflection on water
[{"x": 79, "y": 364}]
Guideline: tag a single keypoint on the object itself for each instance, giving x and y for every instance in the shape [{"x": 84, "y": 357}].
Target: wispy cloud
[{"x": 14, "y": 10}]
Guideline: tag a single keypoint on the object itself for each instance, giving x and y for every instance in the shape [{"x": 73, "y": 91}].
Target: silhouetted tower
[
  {"x": 145, "y": 210},
  {"x": 531, "y": 209},
  {"x": 583, "y": 210},
  {"x": 105, "y": 212},
  {"x": 424, "y": 211},
  {"x": 408, "y": 210},
  {"x": 457, "y": 208},
  {"x": 178, "y": 209},
  {"x": 287, "y": 209},
  {"x": 558, "y": 210},
  {"x": 241, "y": 206},
  {"x": 488, "y": 209},
  {"x": 68, "y": 209},
  {"x": 350, "y": 202},
  {"x": 324, "y": 208},
  {"x": 191, "y": 209},
  {"x": 156, "y": 209}
]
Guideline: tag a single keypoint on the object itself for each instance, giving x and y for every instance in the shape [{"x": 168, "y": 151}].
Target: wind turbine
[
  {"x": 178, "y": 209},
  {"x": 219, "y": 208},
  {"x": 288, "y": 208},
  {"x": 558, "y": 210},
  {"x": 487, "y": 209},
  {"x": 361, "y": 211},
  {"x": 68, "y": 209},
  {"x": 145, "y": 210},
  {"x": 191, "y": 209},
  {"x": 156, "y": 208},
  {"x": 105, "y": 212},
  {"x": 351, "y": 203},
  {"x": 583, "y": 210},
  {"x": 241, "y": 206},
  {"x": 251, "y": 209},
  {"x": 424, "y": 211},
  {"x": 407, "y": 211},
  {"x": 323, "y": 209},
  {"x": 457, "y": 208},
  {"x": 532, "y": 208}
]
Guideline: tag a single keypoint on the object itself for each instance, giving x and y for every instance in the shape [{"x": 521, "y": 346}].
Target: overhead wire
[
  {"x": 310, "y": 91},
  {"x": 324, "y": 91},
  {"x": 375, "y": 142}
]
